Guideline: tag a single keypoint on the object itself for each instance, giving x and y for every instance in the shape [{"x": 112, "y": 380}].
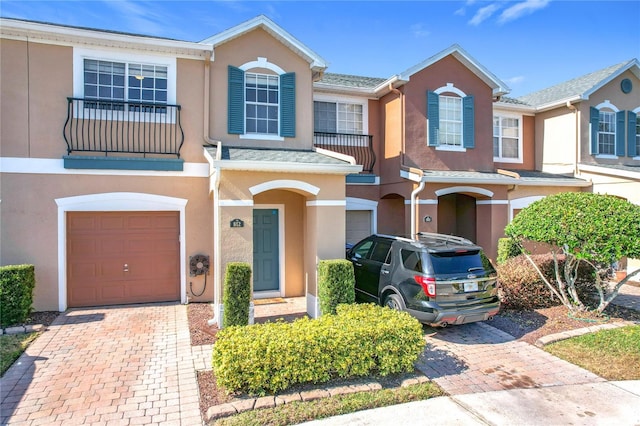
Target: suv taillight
[{"x": 428, "y": 285}]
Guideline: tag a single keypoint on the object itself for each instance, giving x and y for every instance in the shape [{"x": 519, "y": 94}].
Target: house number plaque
[{"x": 237, "y": 223}]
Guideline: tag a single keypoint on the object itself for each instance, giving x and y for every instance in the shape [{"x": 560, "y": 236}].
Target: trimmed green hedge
[
  {"x": 359, "y": 340},
  {"x": 336, "y": 284},
  {"x": 16, "y": 293},
  {"x": 237, "y": 294}
]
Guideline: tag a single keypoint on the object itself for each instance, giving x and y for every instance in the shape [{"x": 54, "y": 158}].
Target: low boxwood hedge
[
  {"x": 16, "y": 293},
  {"x": 359, "y": 340}
]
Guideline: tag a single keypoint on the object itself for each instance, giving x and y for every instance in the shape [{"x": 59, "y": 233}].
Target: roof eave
[
  {"x": 10, "y": 28},
  {"x": 287, "y": 167},
  {"x": 316, "y": 62}
]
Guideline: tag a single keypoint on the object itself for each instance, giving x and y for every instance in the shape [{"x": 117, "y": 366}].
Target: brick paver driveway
[
  {"x": 478, "y": 358},
  {"x": 114, "y": 365}
]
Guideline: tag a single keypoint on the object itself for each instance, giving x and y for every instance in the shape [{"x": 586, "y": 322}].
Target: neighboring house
[
  {"x": 452, "y": 154},
  {"x": 125, "y": 156},
  {"x": 588, "y": 127}
]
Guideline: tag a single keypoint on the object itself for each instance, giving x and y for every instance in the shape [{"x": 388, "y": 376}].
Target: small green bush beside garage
[{"x": 16, "y": 293}]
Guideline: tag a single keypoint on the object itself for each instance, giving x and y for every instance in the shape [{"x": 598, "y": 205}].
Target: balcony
[
  {"x": 359, "y": 147},
  {"x": 138, "y": 135}
]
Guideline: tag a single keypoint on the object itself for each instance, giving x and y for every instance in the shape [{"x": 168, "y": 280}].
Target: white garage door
[{"x": 358, "y": 225}]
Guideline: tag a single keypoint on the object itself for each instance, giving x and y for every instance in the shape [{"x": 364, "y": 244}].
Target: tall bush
[
  {"x": 336, "y": 284},
  {"x": 16, "y": 293},
  {"x": 592, "y": 229},
  {"x": 237, "y": 294}
]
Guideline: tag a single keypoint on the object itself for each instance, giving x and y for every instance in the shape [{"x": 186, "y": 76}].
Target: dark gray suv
[{"x": 439, "y": 279}]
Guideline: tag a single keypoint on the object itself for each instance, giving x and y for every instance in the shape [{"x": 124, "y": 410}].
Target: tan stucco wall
[
  {"x": 626, "y": 188},
  {"x": 29, "y": 217},
  {"x": 555, "y": 139},
  {"x": 259, "y": 43}
]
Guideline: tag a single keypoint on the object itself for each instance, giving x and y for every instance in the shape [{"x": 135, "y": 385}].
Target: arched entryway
[
  {"x": 392, "y": 217},
  {"x": 457, "y": 215}
]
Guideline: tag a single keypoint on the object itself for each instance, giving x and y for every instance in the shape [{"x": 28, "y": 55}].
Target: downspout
[
  {"x": 215, "y": 186},
  {"x": 419, "y": 173},
  {"x": 578, "y": 139}
]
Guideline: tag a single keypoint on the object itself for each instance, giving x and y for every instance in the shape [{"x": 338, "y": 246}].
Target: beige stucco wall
[
  {"x": 241, "y": 50},
  {"x": 555, "y": 140},
  {"x": 29, "y": 217}
]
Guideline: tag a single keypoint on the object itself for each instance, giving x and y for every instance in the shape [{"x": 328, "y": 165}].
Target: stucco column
[{"x": 324, "y": 240}]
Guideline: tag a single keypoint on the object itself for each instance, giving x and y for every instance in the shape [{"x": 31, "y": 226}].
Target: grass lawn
[
  {"x": 298, "y": 412},
  {"x": 612, "y": 354},
  {"x": 11, "y": 346}
]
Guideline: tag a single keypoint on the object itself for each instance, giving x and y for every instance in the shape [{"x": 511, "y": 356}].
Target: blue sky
[{"x": 529, "y": 44}]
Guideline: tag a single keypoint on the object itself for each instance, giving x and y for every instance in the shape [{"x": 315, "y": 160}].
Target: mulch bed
[
  {"x": 45, "y": 318},
  {"x": 526, "y": 326}
]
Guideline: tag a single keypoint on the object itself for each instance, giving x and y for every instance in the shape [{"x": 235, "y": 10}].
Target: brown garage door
[{"x": 122, "y": 257}]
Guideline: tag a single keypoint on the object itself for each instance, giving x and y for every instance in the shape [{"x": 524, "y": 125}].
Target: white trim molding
[
  {"x": 458, "y": 189},
  {"x": 326, "y": 203},
  {"x": 607, "y": 104},
  {"x": 426, "y": 202},
  {"x": 116, "y": 201},
  {"x": 521, "y": 203},
  {"x": 51, "y": 166},
  {"x": 492, "y": 202},
  {"x": 450, "y": 88},
  {"x": 262, "y": 63},
  {"x": 285, "y": 184}
]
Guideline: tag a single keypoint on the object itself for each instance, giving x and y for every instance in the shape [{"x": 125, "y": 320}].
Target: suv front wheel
[{"x": 394, "y": 301}]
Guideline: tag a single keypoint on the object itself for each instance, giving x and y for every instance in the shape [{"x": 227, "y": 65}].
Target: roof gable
[
  {"x": 579, "y": 88},
  {"x": 316, "y": 62},
  {"x": 498, "y": 86}
]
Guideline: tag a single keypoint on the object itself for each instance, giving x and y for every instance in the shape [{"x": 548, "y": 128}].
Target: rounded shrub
[
  {"x": 16, "y": 293},
  {"x": 358, "y": 340}
]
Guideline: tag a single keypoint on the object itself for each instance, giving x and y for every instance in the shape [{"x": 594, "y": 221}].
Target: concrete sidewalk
[{"x": 603, "y": 403}]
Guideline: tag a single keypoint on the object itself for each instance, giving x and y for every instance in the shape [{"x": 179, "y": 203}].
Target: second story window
[
  {"x": 607, "y": 133},
  {"x": 122, "y": 81},
  {"x": 607, "y": 127},
  {"x": 261, "y": 106},
  {"x": 450, "y": 119},
  {"x": 506, "y": 138},
  {"x": 338, "y": 117},
  {"x": 261, "y": 103}
]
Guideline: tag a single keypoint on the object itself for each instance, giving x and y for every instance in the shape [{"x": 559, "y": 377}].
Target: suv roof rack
[{"x": 445, "y": 238}]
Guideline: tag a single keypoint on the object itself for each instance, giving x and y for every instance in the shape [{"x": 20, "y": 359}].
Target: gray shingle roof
[
  {"x": 514, "y": 101},
  {"x": 526, "y": 178},
  {"x": 347, "y": 80},
  {"x": 274, "y": 155},
  {"x": 568, "y": 89}
]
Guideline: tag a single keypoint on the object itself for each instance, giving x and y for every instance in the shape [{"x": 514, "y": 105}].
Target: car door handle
[
  {"x": 357, "y": 264},
  {"x": 385, "y": 272}
]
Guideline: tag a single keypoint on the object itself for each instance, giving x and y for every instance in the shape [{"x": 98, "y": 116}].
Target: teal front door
[{"x": 266, "y": 250}]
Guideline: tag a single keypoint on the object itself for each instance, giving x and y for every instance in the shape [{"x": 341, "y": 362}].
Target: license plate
[{"x": 470, "y": 287}]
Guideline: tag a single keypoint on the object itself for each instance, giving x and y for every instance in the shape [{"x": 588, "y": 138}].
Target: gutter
[{"x": 214, "y": 173}]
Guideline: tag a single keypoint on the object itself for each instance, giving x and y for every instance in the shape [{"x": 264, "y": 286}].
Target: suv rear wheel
[{"x": 394, "y": 301}]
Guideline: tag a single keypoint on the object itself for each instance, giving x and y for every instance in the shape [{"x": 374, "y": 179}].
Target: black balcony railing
[
  {"x": 123, "y": 127},
  {"x": 359, "y": 147}
]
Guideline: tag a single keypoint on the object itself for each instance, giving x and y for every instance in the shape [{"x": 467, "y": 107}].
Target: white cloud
[
  {"x": 521, "y": 9},
  {"x": 484, "y": 13},
  {"x": 516, "y": 80},
  {"x": 460, "y": 12},
  {"x": 418, "y": 31}
]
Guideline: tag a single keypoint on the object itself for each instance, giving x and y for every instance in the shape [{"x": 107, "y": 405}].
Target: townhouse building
[{"x": 133, "y": 169}]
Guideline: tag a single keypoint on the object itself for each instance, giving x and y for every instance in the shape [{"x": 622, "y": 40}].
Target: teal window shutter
[
  {"x": 235, "y": 119},
  {"x": 468, "y": 123},
  {"x": 594, "y": 119},
  {"x": 632, "y": 121},
  {"x": 288, "y": 105},
  {"x": 620, "y": 130},
  {"x": 433, "y": 116}
]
